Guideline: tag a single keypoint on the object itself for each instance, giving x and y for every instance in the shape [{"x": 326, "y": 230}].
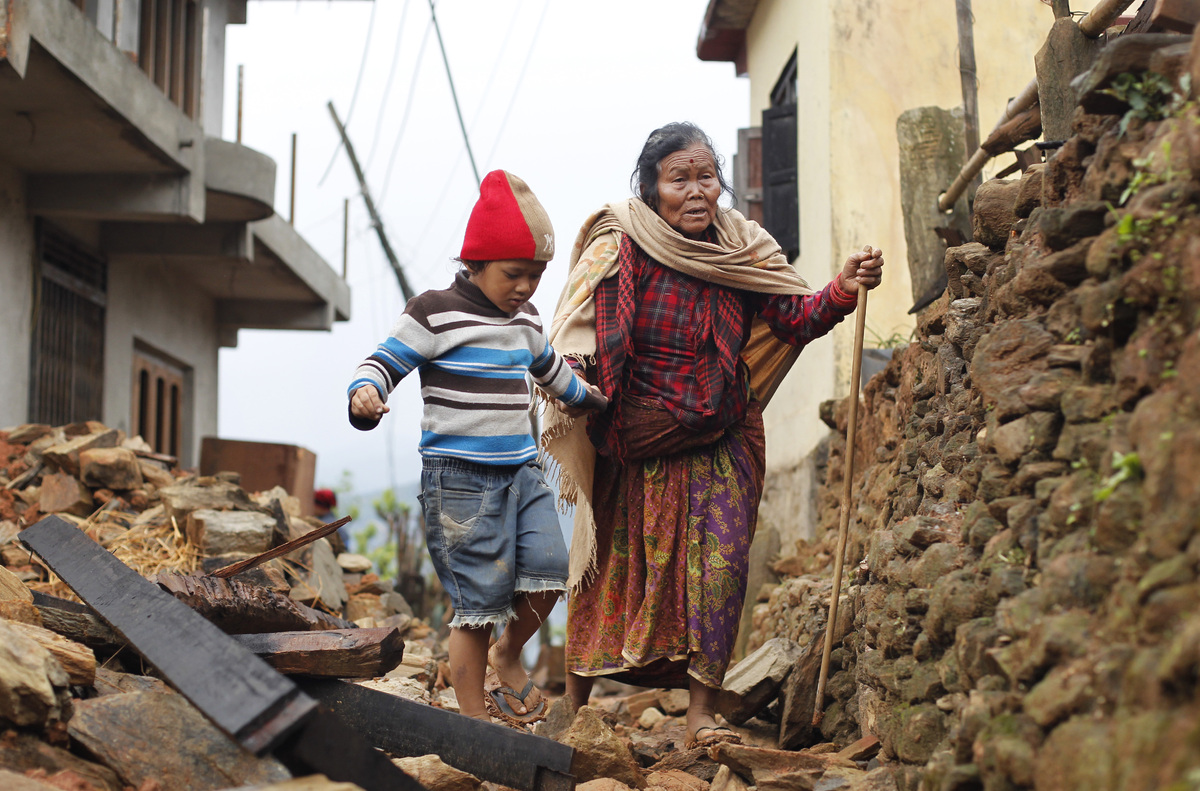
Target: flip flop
[
  {"x": 717, "y": 734},
  {"x": 496, "y": 701}
]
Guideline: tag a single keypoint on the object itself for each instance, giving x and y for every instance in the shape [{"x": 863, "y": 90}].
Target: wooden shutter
[{"x": 780, "y": 191}]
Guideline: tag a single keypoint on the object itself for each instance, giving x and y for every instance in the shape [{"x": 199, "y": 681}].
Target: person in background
[
  {"x": 490, "y": 520},
  {"x": 324, "y": 503}
]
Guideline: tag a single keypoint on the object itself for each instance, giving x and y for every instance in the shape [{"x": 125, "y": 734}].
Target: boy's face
[{"x": 510, "y": 283}]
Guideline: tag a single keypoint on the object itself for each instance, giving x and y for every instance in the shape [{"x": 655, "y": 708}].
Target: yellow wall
[{"x": 860, "y": 64}]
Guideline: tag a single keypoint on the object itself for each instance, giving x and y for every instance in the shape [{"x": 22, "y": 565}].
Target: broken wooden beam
[
  {"x": 334, "y": 653},
  {"x": 77, "y": 622},
  {"x": 251, "y": 703},
  {"x": 244, "y": 697},
  {"x": 239, "y": 608},
  {"x": 281, "y": 550},
  {"x": 490, "y": 752}
]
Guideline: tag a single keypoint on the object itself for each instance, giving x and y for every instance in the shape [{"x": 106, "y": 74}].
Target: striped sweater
[{"x": 472, "y": 358}]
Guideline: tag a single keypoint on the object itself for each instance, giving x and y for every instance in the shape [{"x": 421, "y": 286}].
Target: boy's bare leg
[
  {"x": 468, "y": 664},
  {"x": 579, "y": 689},
  {"x": 505, "y": 655}
]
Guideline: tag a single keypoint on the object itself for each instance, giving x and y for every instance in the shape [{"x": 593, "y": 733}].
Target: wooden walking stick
[{"x": 860, "y": 326}]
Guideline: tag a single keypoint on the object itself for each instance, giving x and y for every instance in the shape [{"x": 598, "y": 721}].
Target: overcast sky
[{"x": 555, "y": 92}]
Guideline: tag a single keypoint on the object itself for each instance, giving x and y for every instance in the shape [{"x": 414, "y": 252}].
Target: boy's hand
[
  {"x": 594, "y": 392},
  {"x": 367, "y": 405},
  {"x": 580, "y": 411}
]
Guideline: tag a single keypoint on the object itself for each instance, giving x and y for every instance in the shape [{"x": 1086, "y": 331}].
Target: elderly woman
[{"x": 686, "y": 315}]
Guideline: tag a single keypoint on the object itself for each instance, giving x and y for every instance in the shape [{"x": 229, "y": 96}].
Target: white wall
[
  {"x": 153, "y": 304},
  {"x": 16, "y": 297}
]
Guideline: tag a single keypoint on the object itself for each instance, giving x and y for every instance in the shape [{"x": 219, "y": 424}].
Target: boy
[{"x": 490, "y": 519}]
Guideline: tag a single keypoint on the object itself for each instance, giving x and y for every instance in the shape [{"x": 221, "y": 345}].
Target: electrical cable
[
  {"x": 387, "y": 89},
  {"x": 520, "y": 79},
  {"x": 448, "y": 181},
  {"x": 387, "y": 175},
  {"x": 362, "y": 67},
  {"x": 507, "y": 113},
  {"x": 454, "y": 94}
]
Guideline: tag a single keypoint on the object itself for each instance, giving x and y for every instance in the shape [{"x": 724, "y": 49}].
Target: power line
[
  {"x": 507, "y": 112},
  {"x": 362, "y": 67},
  {"x": 387, "y": 175},
  {"x": 448, "y": 181},
  {"x": 453, "y": 93},
  {"x": 520, "y": 79},
  {"x": 387, "y": 89}
]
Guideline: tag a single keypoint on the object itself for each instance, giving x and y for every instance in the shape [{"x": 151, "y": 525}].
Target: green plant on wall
[
  {"x": 1149, "y": 95},
  {"x": 1144, "y": 177}
]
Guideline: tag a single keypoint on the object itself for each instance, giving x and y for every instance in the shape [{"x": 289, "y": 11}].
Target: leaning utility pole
[{"x": 375, "y": 219}]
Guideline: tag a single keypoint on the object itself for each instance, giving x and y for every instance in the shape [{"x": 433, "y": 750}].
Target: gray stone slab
[
  {"x": 150, "y": 736},
  {"x": 1066, "y": 54},
  {"x": 931, "y": 156}
]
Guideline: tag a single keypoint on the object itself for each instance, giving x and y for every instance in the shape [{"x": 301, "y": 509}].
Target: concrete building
[
  {"x": 134, "y": 241},
  {"x": 829, "y": 81}
]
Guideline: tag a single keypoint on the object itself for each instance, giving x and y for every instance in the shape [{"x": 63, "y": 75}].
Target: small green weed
[
  {"x": 1149, "y": 95},
  {"x": 1126, "y": 467}
]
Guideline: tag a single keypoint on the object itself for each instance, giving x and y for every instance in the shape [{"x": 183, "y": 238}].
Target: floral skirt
[{"x": 673, "y": 546}]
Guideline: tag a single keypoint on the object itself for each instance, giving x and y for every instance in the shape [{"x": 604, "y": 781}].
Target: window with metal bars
[{"x": 67, "y": 355}]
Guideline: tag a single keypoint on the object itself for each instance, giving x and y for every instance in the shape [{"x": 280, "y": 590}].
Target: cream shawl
[{"x": 744, "y": 257}]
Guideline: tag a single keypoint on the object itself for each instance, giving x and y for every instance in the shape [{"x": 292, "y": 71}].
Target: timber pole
[
  {"x": 1093, "y": 25},
  {"x": 968, "y": 74},
  {"x": 860, "y": 325},
  {"x": 376, "y": 221}
]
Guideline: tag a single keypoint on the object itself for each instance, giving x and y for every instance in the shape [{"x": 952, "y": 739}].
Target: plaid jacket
[{"x": 665, "y": 334}]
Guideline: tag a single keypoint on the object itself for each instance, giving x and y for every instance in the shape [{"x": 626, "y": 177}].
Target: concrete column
[{"x": 17, "y": 277}]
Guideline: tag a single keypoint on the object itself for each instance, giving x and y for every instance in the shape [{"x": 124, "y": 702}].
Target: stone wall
[{"x": 1027, "y": 491}]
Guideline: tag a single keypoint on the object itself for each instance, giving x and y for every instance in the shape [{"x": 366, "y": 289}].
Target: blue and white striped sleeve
[
  {"x": 408, "y": 347},
  {"x": 552, "y": 373}
]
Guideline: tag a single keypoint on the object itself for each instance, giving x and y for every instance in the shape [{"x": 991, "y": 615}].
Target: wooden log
[
  {"x": 78, "y": 660},
  {"x": 238, "y": 608},
  {"x": 282, "y": 549},
  {"x": 77, "y": 622},
  {"x": 490, "y": 752},
  {"x": 334, "y": 653},
  {"x": 1024, "y": 126}
]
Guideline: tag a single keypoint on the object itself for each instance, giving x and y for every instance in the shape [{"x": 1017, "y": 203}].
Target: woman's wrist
[{"x": 840, "y": 294}]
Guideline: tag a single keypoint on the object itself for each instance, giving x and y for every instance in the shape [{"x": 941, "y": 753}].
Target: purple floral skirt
[{"x": 673, "y": 545}]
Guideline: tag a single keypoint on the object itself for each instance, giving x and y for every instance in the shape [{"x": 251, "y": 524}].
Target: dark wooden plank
[
  {"x": 243, "y": 696},
  {"x": 327, "y": 745},
  {"x": 490, "y": 752},
  {"x": 334, "y": 653}
]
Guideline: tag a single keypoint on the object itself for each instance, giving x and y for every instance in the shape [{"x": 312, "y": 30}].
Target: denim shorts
[{"x": 493, "y": 533}]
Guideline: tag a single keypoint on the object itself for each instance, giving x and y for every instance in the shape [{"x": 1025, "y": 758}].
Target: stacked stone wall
[{"x": 1026, "y": 504}]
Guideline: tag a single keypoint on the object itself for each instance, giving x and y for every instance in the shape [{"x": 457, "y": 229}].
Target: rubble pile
[
  {"x": 78, "y": 704},
  {"x": 1025, "y": 504}
]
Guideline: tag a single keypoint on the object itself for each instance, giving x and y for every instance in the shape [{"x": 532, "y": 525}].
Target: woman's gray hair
[{"x": 666, "y": 140}]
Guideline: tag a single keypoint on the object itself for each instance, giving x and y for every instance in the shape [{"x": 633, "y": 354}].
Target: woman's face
[{"x": 688, "y": 189}]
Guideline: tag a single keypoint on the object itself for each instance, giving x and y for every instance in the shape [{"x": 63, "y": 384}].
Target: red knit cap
[{"x": 507, "y": 222}]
